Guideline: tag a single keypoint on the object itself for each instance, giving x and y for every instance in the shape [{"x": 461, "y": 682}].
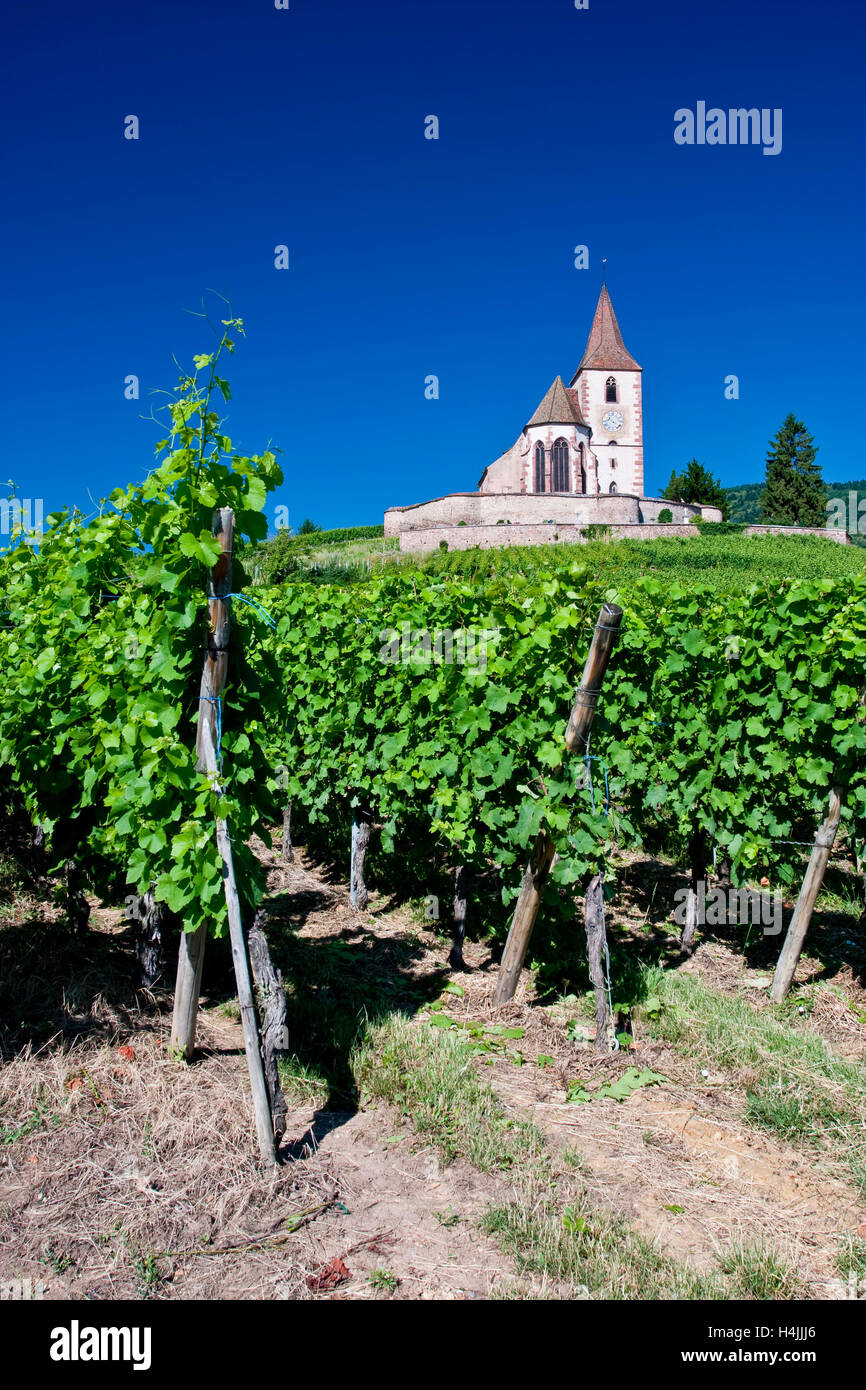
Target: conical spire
[
  {"x": 605, "y": 348},
  {"x": 557, "y": 408}
]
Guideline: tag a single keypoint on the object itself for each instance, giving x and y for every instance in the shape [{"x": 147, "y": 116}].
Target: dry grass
[
  {"x": 124, "y": 1176},
  {"x": 120, "y": 1173}
]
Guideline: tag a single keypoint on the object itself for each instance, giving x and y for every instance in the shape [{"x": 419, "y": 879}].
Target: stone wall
[
  {"x": 827, "y": 533},
  {"x": 425, "y": 539},
  {"x": 488, "y": 508}
]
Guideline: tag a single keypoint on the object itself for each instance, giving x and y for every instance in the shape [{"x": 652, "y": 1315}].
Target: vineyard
[{"x": 398, "y": 736}]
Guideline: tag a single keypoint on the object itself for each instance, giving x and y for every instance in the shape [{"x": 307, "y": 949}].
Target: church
[
  {"x": 577, "y": 462},
  {"x": 587, "y": 437}
]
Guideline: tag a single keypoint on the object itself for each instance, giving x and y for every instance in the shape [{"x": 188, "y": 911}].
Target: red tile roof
[
  {"x": 605, "y": 348},
  {"x": 559, "y": 407}
]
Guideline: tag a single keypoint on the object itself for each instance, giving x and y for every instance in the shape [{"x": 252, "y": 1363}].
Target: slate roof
[{"x": 558, "y": 408}]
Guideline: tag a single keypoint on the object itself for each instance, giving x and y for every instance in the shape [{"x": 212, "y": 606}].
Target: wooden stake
[
  {"x": 698, "y": 869},
  {"x": 271, "y": 998},
  {"x": 458, "y": 927},
  {"x": 813, "y": 878},
  {"x": 576, "y": 736},
  {"x": 288, "y": 853},
  {"x": 596, "y": 950},
  {"x": 191, "y": 953},
  {"x": 261, "y": 1104},
  {"x": 586, "y": 700},
  {"x": 362, "y": 822},
  {"x": 207, "y": 742},
  {"x": 523, "y": 921}
]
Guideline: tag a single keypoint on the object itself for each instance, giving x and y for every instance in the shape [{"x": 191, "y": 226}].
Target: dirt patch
[
  {"x": 683, "y": 1171},
  {"x": 123, "y": 1174}
]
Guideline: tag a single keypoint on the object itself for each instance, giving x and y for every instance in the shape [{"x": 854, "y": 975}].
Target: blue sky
[{"x": 411, "y": 257}]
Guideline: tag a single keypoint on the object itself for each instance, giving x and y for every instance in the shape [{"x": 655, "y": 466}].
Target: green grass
[
  {"x": 563, "y": 1243},
  {"x": 791, "y": 1112},
  {"x": 55, "y": 1262},
  {"x": 339, "y": 550},
  {"x": 430, "y": 1077},
  {"x": 301, "y": 1083},
  {"x": 851, "y": 1258},
  {"x": 336, "y": 988},
  {"x": 797, "y": 1087},
  {"x": 147, "y": 1273},
  {"x": 758, "y": 1271},
  {"x": 11, "y": 1132},
  {"x": 554, "y": 1232},
  {"x": 573, "y": 1159},
  {"x": 725, "y": 563}
]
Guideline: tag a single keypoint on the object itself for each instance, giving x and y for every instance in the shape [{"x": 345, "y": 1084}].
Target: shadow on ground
[
  {"x": 337, "y": 983},
  {"x": 55, "y": 983}
]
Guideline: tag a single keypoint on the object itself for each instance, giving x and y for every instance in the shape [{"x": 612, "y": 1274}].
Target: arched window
[
  {"x": 539, "y": 467},
  {"x": 581, "y": 469},
  {"x": 610, "y": 389},
  {"x": 560, "y": 466},
  {"x": 612, "y": 488}
]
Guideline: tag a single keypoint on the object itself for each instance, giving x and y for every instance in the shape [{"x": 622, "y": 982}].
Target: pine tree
[
  {"x": 674, "y": 490},
  {"x": 794, "y": 493},
  {"x": 697, "y": 484}
]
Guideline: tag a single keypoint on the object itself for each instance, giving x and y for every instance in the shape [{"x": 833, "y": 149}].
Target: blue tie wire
[
  {"x": 241, "y": 598},
  {"x": 593, "y": 759}
]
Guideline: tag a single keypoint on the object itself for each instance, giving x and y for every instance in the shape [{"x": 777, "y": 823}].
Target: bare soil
[{"x": 124, "y": 1174}]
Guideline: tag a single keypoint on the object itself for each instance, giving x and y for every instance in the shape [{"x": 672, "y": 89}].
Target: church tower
[{"x": 607, "y": 387}]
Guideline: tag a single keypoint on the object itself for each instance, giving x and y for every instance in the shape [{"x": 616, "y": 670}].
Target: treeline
[{"x": 744, "y": 501}]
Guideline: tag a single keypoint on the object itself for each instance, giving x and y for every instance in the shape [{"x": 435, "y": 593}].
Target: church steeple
[{"x": 605, "y": 348}]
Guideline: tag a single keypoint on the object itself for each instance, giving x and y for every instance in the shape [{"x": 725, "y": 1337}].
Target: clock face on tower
[{"x": 612, "y": 420}]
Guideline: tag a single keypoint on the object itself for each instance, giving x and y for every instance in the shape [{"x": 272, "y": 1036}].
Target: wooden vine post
[
  {"x": 458, "y": 919},
  {"x": 213, "y": 679},
  {"x": 811, "y": 887},
  {"x": 697, "y": 876},
  {"x": 271, "y": 999},
  {"x": 362, "y": 824},
  {"x": 192, "y": 944},
  {"x": 596, "y": 953},
  {"x": 538, "y": 869}
]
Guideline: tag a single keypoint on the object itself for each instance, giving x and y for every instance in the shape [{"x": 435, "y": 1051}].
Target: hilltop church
[
  {"x": 585, "y": 438},
  {"x": 578, "y": 461},
  {"x": 574, "y": 473}
]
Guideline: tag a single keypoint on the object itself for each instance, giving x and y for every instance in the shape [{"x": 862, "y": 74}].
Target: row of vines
[
  {"x": 434, "y": 702},
  {"x": 725, "y": 719}
]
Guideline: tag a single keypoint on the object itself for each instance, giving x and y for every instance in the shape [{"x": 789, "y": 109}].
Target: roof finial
[{"x": 603, "y": 271}]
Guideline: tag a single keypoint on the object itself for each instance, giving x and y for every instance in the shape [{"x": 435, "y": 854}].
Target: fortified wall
[
  {"x": 474, "y": 509},
  {"x": 464, "y": 537}
]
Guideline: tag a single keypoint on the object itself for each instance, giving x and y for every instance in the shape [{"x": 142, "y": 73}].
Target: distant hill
[{"x": 744, "y": 501}]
